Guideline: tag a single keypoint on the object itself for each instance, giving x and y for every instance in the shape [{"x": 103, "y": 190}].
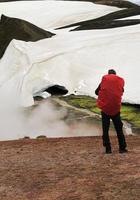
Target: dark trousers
[{"x": 118, "y": 127}]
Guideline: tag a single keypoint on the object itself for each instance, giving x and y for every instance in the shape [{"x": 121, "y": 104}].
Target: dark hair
[{"x": 111, "y": 71}]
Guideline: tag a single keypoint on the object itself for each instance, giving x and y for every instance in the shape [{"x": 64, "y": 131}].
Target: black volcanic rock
[
  {"x": 108, "y": 24},
  {"x": 14, "y": 28},
  {"x": 120, "y": 14},
  {"x": 108, "y": 21}
]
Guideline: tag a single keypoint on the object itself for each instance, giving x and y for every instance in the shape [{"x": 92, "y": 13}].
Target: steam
[
  {"x": 18, "y": 122},
  {"x": 44, "y": 118}
]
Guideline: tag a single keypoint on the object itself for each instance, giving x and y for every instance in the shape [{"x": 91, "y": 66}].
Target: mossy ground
[{"x": 129, "y": 112}]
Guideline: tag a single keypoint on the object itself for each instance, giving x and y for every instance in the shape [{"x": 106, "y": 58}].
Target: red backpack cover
[{"x": 110, "y": 93}]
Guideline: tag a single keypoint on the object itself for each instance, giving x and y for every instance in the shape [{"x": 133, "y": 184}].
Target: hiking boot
[
  {"x": 108, "y": 150},
  {"x": 123, "y": 150}
]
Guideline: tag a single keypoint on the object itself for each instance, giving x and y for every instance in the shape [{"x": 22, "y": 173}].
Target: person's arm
[
  {"x": 123, "y": 86},
  {"x": 98, "y": 89}
]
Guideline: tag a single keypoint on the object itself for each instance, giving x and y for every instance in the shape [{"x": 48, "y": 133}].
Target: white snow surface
[
  {"x": 135, "y": 1},
  {"x": 76, "y": 60},
  {"x": 52, "y": 14}
]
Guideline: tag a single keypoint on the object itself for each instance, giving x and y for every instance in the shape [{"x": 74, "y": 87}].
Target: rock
[
  {"x": 108, "y": 21},
  {"x": 26, "y": 138},
  {"x": 38, "y": 98},
  {"x": 41, "y": 137},
  {"x": 108, "y": 24}
]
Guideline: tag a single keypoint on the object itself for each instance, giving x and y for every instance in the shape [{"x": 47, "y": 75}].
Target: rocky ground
[{"x": 69, "y": 169}]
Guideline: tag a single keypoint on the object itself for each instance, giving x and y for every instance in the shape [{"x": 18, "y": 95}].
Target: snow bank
[{"x": 76, "y": 60}]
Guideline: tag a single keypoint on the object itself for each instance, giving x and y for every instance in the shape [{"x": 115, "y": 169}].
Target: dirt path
[
  {"x": 69, "y": 169},
  {"x": 89, "y": 114},
  {"x": 65, "y": 104}
]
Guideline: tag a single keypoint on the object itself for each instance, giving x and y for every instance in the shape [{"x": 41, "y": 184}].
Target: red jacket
[{"x": 110, "y": 93}]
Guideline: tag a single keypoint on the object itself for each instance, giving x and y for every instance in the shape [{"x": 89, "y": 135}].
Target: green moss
[
  {"x": 131, "y": 114},
  {"x": 128, "y": 112},
  {"x": 81, "y": 101}
]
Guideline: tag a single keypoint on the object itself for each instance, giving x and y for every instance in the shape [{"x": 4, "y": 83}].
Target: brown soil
[{"x": 69, "y": 169}]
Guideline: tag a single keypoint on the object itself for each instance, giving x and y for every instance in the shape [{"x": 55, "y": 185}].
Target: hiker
[{"x": 109, "y": 92}]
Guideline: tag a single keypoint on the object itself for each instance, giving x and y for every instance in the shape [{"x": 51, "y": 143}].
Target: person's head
[{"x": 111, "y": 71}]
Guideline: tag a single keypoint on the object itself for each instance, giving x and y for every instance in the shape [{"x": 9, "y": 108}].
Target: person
[{"x": 110, "y": 92}]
